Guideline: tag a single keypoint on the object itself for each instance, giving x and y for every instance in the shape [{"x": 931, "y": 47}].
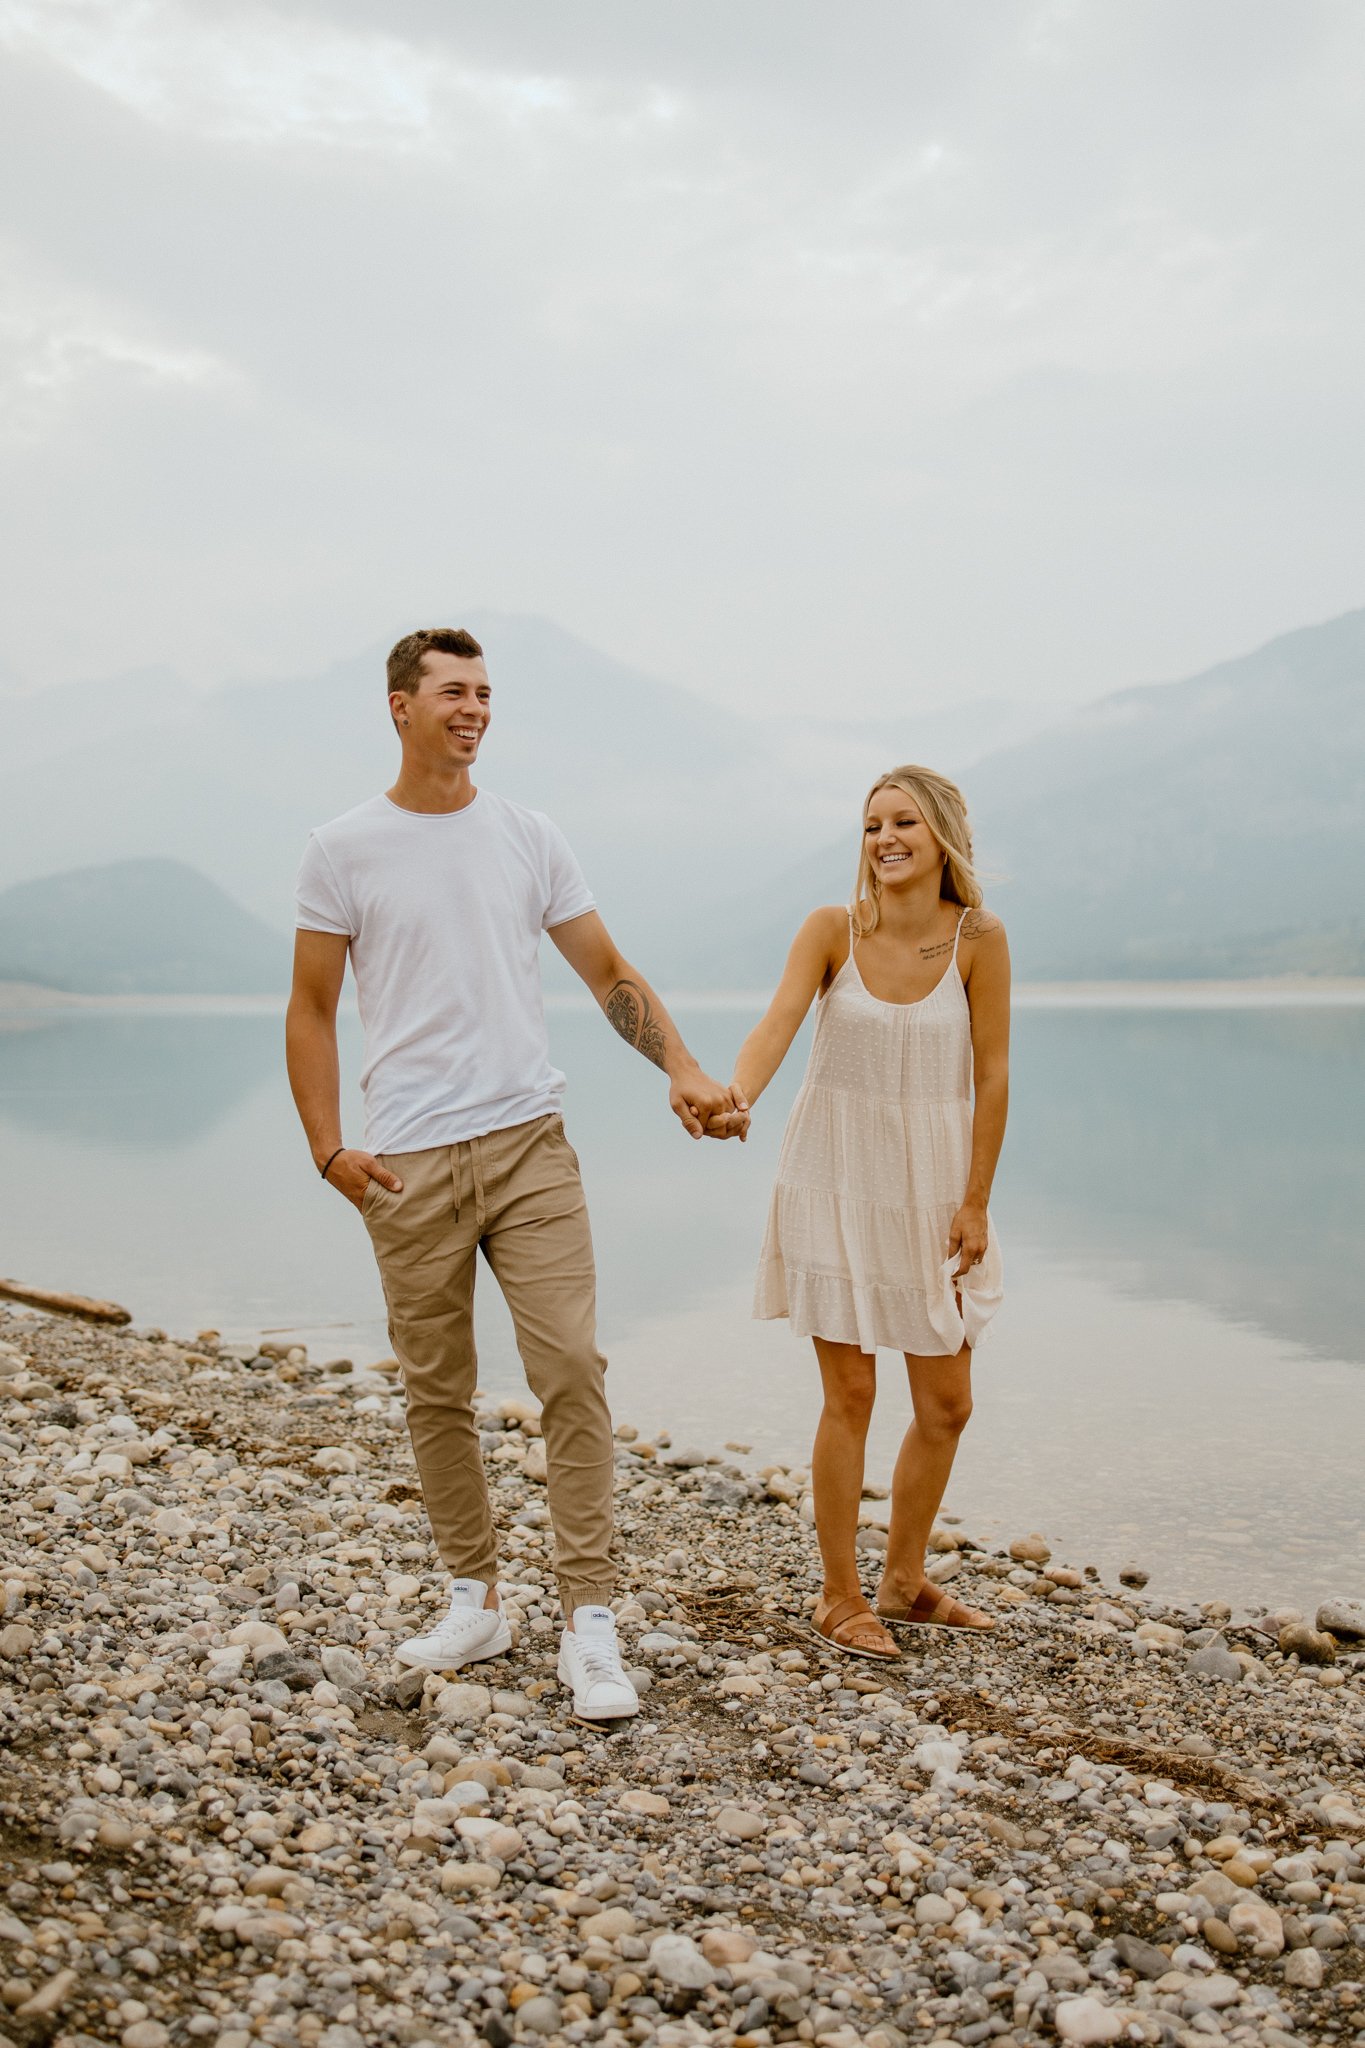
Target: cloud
[
  {"x": 253, "y": 76},
  {"x": 242, "y": 76},
  {"x": 1008, "y": 352},
  {"x": 60, "y": 353}
]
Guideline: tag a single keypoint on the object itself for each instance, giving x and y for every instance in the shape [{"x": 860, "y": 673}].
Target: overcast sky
[{"x": 815, "y": 356}]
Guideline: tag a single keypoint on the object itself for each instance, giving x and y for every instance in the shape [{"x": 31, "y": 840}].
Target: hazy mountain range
[
  {"x": 1208, "y": 828},
  {"x": 1214, "y": 826},
  {"x": 134, "y": 926}
]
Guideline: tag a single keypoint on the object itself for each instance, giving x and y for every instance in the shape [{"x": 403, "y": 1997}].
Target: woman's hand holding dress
[{"x": 968, "y": 1236}]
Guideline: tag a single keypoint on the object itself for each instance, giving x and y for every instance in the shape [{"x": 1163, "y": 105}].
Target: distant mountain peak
[{"x": 145, "y": 925}]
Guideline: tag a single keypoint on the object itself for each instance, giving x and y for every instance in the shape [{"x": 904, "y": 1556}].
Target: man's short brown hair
[{"x": 405, "y": 657}]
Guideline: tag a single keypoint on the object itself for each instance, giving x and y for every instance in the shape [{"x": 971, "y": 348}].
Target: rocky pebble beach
[{"x": 228, "y": 1816}]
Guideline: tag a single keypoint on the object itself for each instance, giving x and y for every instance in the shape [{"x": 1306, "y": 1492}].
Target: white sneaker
[
  {"x": 464, "y": 1635},
  {"x": 590, "y": 1662}
]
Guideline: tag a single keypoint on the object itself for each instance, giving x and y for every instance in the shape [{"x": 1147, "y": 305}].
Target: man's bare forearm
[
  {"x": 636, "y": 1014},
  {"x": 314, "y": 1076}
]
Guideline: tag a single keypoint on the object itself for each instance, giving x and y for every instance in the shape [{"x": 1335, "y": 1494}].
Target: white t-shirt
[{"x": 444, "y": 914}]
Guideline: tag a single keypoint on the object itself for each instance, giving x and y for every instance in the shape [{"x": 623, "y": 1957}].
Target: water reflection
[
  {"x": 1217, "y": 1155},
  {"x": 1203, "y": 1156},
  {"x": 129, "y": 1080}
]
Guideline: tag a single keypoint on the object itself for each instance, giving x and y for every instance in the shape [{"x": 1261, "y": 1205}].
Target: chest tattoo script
[
  {"x": 936, "y": 952},
  {"x": 629, "y": 1013}
]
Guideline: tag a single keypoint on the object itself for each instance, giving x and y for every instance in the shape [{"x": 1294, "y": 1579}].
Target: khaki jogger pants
[{"x": 516, "y": 1195}]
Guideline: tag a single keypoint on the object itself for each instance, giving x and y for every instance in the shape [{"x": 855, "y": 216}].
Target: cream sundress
[{"x": 872, "y": 1171}]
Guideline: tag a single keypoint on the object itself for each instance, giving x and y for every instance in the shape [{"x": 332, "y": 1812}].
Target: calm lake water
[{"x": 1177, "y": 1376}]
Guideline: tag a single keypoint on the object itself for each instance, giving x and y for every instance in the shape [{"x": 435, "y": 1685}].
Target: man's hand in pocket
[{"x": 351, "y": 1172}]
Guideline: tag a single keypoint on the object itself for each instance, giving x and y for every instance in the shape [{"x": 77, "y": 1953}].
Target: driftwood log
[{"x": 65, "y": 1304}]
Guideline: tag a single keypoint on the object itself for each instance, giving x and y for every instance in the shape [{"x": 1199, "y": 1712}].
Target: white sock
[{"x": 468, "y": 1592}]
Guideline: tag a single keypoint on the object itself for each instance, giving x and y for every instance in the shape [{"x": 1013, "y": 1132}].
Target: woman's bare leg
[
  {"x": 941, "y": 1390},
  {"x": 836, "y": 1473}
]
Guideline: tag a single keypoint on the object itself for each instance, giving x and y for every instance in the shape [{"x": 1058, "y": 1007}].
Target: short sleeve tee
[{"x": 445, "y": 912}]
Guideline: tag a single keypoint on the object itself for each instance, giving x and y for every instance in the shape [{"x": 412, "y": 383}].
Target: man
[{"x": 439, "y": 891}]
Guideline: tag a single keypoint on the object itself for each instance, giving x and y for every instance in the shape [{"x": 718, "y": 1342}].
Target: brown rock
[
  {"x": 607, "y": 1926},
  {"x": 739, "y": 1825},
  {"x": 1222, "y": 1847},
  {"x": 319, "y": 1834},
  {"x": 651, "y": 1804},
  {"x": 1219, "y": 1936},
  {"x": 1309, "y": 1645},
  {"x": 49, "y": 1997},
  {"x": 488, "y": 1771},
  {"x": 469, "y": 1877},
  {"x": 724, "y": 1946},
  {"x": 505, "y": 1844}
]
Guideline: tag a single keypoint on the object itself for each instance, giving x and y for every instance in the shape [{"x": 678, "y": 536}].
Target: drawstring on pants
[{"x": 470, "y": 1149}]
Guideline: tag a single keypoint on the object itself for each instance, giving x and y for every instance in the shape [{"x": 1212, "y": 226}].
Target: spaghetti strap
[{"x": 956, "y": 936}]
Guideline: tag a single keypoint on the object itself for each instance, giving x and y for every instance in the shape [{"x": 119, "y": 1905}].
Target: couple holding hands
[{"x": 878, "y": 1233}]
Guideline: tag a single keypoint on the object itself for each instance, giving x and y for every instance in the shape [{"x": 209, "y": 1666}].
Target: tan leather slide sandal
[
  {"x": 932, "y": 1608},
  {"x": 837, "y": 1626}
]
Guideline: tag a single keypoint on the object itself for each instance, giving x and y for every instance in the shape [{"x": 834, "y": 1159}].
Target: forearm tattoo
[{"x": 629, "y": 1013}]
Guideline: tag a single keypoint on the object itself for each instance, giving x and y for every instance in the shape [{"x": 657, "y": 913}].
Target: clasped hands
[{"x": 707, "y": 1109}]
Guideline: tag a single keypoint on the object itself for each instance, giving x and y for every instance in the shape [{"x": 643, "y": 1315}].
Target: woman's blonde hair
[{"x": 944, "y": 812}]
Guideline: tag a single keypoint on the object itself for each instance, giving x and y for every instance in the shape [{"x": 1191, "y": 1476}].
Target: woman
[{"x": 878, "y": 1233}]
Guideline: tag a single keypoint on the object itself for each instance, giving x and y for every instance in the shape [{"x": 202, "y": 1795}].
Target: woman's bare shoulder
[
  {"x": 825, "y": 932},
  {"x": 981, "y": 924}
]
